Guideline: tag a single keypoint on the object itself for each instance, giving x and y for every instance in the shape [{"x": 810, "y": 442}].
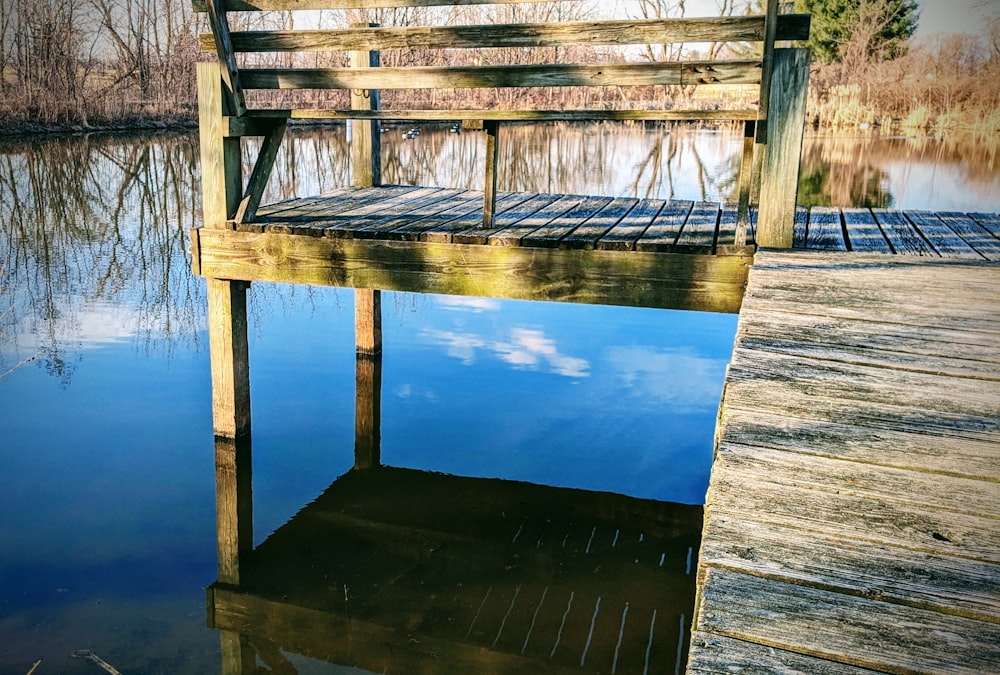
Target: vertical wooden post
[
  {"x": 229, "y": 355},
  {"x": 492, "y": 128},
  {"x": 783, "y": 152},
  {"x": 221, "y": 181},
  {"x": 368, "y": 381},
  {"x": 767, "y": 68},
  {"x": 745, "y": 183},
  {"x": 221, "y": 164},
  {"x": 233, "y": 505},
  {"x": 366, "y": 139},
  {"x": 238, "y": 657}
]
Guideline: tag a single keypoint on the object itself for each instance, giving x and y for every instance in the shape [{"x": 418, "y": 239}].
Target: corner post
[
  {"x": 221, "y": 183},
  {"x": 366, "y": 140},
  {"x": 368, "y": 382},
  {"x": 782, "y": 155}
]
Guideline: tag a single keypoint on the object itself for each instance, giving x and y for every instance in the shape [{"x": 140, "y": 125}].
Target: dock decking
[
  {"x": 568, "y": 248},
  {"x": 853, "y": 517}
]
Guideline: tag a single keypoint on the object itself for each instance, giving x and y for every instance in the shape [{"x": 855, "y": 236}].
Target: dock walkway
[
  {"x": 673, "y": 254},
  {"x": 852, "y": 523}
]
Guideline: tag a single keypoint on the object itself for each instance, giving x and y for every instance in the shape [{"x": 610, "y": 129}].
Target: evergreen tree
[{"x": 877, "y": 28}]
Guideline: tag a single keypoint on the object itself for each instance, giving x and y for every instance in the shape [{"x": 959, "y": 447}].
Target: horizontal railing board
[
  {"x": 473, "y": 77},
  {"x": 499, "y": 115},
  {"x": 281, "y": 5},
  {"x": 650, "y": 31}
]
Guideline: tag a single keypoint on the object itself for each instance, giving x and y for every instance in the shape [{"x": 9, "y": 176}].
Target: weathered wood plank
[
  {"x": 312, "y": 220},
  {"x": 513, "y": 234},
  {"x": 366, "y": 221},
  {"x": 662, "y": 234},
  {"x": 719, "y": 654},
  {"x": 863, "y": 232},
  {"x": 699, "y": 231},
  {"x": 373, "y": 212},
  {"x": 278, "y": 5},
  {"x": 450, "y": 199},
  {"x": 726, "y": 240},
  {"x": 524, "y": 209},
  {"x": 906, "y": 388},
  {"x": 825, "y": 231},
  {"x": 587, "y": 235},
  {"x": 519, "y": 35},
  {"x": 940, "y": 236},
  {"x": 843, "y": 628},
  {"x": 302, "y": 213},
  {"x": 472, "y": 77},
  {"x": 603, "y": 277},
  {"x": 477, "y": 114},
  {"x": 468, "y": 221},
  {"x": 625, "y": 234},
  {"x": 233, "y": 92},
  {"x": 553, "y": 232},
  {"x": 461, "y": 210},
  {"x": 873, "y": 435},
  {"x": 902, "y": 235},
  {"x": 971, "y": 496},
  {"x": 974, "y": 234},
  {"x": 801, "y": 227},
  {"x": 817, "y": 560},
  {"x": 990, "y": 221},
  {"x": 887, "y": 345},
  {"x": 737, "y": 494}
]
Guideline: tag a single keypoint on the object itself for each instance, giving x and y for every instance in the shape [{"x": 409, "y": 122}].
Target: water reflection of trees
[
  {"x": 611, "y": 159},
  {"x": 95, "y": 229}
]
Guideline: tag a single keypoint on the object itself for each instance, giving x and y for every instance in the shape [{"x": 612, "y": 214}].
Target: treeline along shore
[{"x": 81, "y": 65}]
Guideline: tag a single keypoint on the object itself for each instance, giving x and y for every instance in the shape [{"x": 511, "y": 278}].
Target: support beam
[
  {"x": 783, "y": 152},
  {"x": 247, "y": 209},
  {"x": 366, "y": 139}
]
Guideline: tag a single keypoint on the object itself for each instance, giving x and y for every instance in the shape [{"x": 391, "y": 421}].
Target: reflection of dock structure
[
  {"x": 393, "y": 570},
  {"x": 862, "y": 397}
]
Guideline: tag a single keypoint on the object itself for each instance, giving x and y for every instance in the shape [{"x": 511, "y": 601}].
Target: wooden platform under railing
[{"x": 573, "y": 248}]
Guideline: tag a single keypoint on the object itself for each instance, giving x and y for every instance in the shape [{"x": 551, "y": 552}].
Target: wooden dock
[
  {"x": 566, "y": 248},
  {"x": 853, "y": 519}
]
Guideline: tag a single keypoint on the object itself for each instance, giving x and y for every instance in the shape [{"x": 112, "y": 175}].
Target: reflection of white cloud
[
  {"x": 87, "y": 324},
  {"x": 474, "y": 305},
  {"x": 526, "y": 349},
  {"x": 407, "y": 391},
  {"x": 680, "y": 377}
]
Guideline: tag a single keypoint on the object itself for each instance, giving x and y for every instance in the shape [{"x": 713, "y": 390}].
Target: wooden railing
[{"x": 773, "y": 129}]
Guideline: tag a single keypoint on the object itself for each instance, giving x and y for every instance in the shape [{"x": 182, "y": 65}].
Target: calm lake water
[{"x": 106, "y": 459}]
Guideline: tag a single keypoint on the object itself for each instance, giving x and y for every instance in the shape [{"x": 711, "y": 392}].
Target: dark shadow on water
[{"x": 397, "y": 570}]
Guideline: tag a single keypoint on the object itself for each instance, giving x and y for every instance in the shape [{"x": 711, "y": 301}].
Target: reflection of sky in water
[{"x": 602, "y": 398}]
